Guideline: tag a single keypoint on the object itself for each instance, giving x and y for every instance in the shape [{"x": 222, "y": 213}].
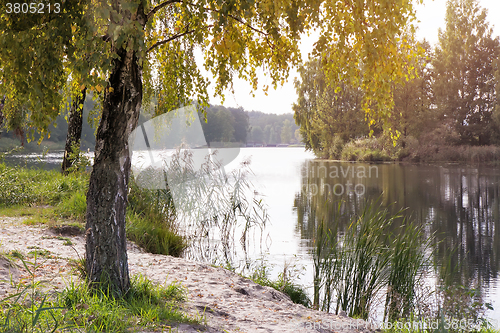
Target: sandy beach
[{"x": 225, "y": 301}]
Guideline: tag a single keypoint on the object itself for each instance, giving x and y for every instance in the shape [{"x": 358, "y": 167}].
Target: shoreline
[{"x": 224, "y": 300}]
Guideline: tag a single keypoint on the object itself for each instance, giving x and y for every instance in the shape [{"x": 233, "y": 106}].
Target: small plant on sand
[
  {"x": 286, "y": 281},
  {"x": 28, "y": 310}
]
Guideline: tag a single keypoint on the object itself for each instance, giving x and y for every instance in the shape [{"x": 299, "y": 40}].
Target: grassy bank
[
  {"x": 411, "y": 150},
  {"x": 49, "y": 197}
]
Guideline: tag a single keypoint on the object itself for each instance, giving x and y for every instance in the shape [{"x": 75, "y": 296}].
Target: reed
[
  {"x": 216, "y": 208},
  {"x": 368, "y": 257},
  {"x": 407, "y": 263}
]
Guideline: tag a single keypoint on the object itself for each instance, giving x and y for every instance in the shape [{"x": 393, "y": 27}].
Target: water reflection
[{"x": 460, "y": 204}]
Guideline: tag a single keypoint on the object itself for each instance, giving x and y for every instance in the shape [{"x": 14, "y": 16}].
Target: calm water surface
[{"x": 459, "y": 204}]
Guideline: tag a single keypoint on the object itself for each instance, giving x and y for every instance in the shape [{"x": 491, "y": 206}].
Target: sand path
[{"x": 228, "y": 302}]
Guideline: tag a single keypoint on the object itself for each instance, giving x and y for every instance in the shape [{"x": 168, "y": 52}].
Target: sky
[{"x": 431, "y": 16}]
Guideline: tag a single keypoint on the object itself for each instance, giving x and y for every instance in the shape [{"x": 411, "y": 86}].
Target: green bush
[{"x": 365, "y": 150}]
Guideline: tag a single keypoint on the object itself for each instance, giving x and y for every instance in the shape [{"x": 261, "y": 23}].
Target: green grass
[
  {"x": 50, "y": 198},
  {"x": 285, "y": 282},
  {"x": 154, "y": 237},
  {"x": 29, "y": 186},
  {"x": 151, "y": 222},
  {"x": 78, "y": 308}
]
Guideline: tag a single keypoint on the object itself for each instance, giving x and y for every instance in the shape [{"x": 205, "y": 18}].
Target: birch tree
[{"x": 136, "y": 53}]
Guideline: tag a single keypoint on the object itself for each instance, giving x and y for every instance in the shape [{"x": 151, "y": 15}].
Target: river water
[{"x": 459, "y": 204}]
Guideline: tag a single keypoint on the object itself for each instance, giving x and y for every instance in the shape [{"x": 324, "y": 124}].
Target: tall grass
[
  {"x": 370, "y": 256},
  {"x": 407, "y": 262},
  {"x": 30, "y": 186}
]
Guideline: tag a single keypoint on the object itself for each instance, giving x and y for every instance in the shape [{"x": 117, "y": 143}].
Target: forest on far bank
[
  {"x": 448, "y": 111},
  {"x": 224, "y": 124}
]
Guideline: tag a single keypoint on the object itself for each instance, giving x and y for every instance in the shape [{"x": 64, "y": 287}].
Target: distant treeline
[
  {"x": 249, "y": 127},
  {"x": 58, "y": 131},
  {"x": 224, "y": 124},
  {"x": 267, "y": 128}
]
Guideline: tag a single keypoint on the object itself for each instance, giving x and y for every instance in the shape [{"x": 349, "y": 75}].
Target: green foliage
[
  {"x": 257, "y": 135},
  {"x": 58, "y": 131},
  {"x": 370, "y": 149},
  {"x": 45, "y": 41},
  {"x": 219, "y": 125},
  {"x": 225, "y": 124},
  {"x": 374, "y": 66},
  {"x": 286, "y": 132},
  {"x": 327, "y": 115},
  {"x": 447, "y": 97},
  {"x": 412, "y": 114},
  {"x": 79, "y": 162},
  {"x": 271, "y": 126},
  {"x": 464, "y": 72}
]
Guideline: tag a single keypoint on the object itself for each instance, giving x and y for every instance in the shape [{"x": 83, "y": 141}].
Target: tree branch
[
  {"x": 160, "y": 6},
  {"x": 171, "y": 38},
  {"x": 237, "y": 19}
]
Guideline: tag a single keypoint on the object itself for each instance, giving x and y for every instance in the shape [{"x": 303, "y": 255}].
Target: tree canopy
[
  {"x": 464, "y": 72},
  {"x": 135, "y": 54}
]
